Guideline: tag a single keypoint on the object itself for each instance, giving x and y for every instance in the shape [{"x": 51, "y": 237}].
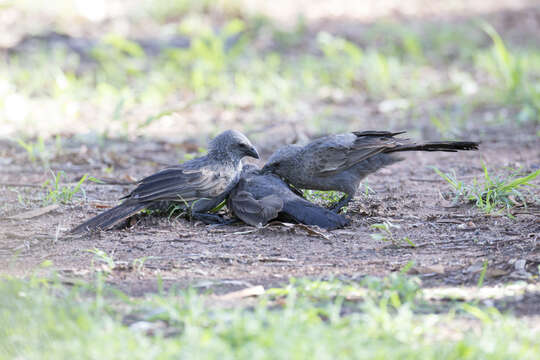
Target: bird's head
[
  {"x": 234, "y": 145},
  {"x": 282, "y": 160}
]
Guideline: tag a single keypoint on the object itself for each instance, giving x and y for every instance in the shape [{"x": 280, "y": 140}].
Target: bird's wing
[
  {"x": 180, "y": 184},
  {"x": 255, "y": 212},
  {"x": 337, "y": 153}
]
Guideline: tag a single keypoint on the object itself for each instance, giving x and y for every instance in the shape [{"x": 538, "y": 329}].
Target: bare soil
[{"x": 452, "y": 241}]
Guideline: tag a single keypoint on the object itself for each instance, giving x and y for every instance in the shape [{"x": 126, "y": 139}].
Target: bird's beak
[{"x": 253, "y": 153}]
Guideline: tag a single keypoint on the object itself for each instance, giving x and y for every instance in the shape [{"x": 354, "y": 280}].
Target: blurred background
[{"x": 187, "y": 69}]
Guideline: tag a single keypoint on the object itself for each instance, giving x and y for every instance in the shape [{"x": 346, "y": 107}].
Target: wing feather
[
  {"x": 253, "y": 211},
  {"x": 179, "y": 184},
  {"x": 337, "y": 153}
]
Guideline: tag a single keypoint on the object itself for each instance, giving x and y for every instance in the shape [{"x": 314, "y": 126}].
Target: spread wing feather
[{"x": 178, "y": 184}]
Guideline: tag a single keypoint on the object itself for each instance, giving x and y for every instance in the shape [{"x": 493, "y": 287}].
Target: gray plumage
[
  {"x": 198, "y": 185},
  {"x": 340, "y": 162},
  {"x": 260, "y": 197}
]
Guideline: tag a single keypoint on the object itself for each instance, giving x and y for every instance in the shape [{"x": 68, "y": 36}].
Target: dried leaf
[
  {"x": 309, "y": 229},
  {"x": 433, "y": 269},
  {"x": 495, "y": 273},
  {"x": 130, "y": 178},
  {"x": 100, "y": 206},
  {"x": 244, "y": 293}
]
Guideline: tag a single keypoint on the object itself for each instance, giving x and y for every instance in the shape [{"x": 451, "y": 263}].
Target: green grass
[
  {"x": 494, "y": 194},
  {"x": 56, "y": 192},
  {"x": 325, "y": 197},
  {"x": 314, "y": 319},
  {"x": 385, "y": 233},
  {"x": 34, "y": 150},
  {"x": 395, "y": 289},
  {"x": 514, "y": 74},
  {"x": 166, "y": 11},
  {"x": 103, "y": 258},
  {"x": 395, "y": 66},
  {"x": 38, "y": 151}
]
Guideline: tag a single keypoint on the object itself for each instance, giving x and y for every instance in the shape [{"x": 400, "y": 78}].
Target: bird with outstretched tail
[{"x": 340, "y": 162}]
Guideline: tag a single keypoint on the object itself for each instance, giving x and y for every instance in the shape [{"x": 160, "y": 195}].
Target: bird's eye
[{"x": 243, "y": 146}]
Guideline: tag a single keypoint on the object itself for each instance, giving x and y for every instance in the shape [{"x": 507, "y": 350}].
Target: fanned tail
[
  {"x": 302, "y": 211},
  {"x": 109, "y": 218}
]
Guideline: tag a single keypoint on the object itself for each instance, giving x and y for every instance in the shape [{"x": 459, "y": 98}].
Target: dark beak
[{"x": 252, "y": 152}]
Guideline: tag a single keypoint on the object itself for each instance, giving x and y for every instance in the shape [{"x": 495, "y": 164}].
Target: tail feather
[
  {"x": 450, "y": 146},
  {"x": 302, "y": 211},
  {"x": 377, "y": 133},
  {"x": 109, "y": 218}
]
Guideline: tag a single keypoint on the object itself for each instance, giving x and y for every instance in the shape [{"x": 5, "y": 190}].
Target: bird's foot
[{"x": 341, "y": 204}]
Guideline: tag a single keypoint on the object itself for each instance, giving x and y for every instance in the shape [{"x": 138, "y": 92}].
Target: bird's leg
[
  {"x": 208, "y": 218},
  {"x": 341, "y": 203}
]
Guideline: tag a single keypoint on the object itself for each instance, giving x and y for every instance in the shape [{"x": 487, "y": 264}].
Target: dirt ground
[{"x": 452, "y": 241}]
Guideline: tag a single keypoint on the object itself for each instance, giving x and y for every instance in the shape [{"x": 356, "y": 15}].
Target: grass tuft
[
  {"x": 35, "y": 150},
  {"x": 385, "y": 233},
  {"x": 494, "y": 194},
  {"x": 515, "y": 74},
  {"x": 56, "y": 192}
]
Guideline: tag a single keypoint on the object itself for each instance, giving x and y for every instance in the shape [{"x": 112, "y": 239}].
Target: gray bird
[
  {"x": 260, "y": 197},
  {"x": 198, "y": 185},
  {"x": 340, "y": 162}
]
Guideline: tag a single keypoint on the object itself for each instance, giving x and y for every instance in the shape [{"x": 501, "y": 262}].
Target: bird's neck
[{"x": 224, "y": 157}]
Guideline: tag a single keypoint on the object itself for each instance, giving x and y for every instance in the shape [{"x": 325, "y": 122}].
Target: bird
[
  {"x": 339, "y": 162},
  {"x": 198, "y": 185},
  {"x": 261, "y": 197}
]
